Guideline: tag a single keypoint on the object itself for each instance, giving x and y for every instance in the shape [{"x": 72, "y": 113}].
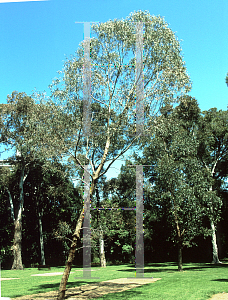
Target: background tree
[
  {"x": 119, "y": 226},
  {"x": 6, "y": 224},
  {"x": 16, "y": 133},
  {"x": 20, "y": 132},
  {"x": 227, "y": 79},
  {"x": 51, "y": 198},
  {"x": 213, "y": 154},
  {"x": 48, "y": 188},
  {"x": 180, "y": 186}
]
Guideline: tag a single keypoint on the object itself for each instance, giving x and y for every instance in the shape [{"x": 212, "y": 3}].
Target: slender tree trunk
[
  {"x": 16, "y": 248},
  {"x": 179, "y": 237},
  {"x": 41, "y": 240},
  {"x": 66, "y": 273},
  {"x": 101, "y": 248},
  {"x": 101, "y": 235},
  {"x": 76, "y": 235},
  {"x": 180, "y": 267},
  {"x": 214, "y": 244},
  {"x": 215, "y": 259}
]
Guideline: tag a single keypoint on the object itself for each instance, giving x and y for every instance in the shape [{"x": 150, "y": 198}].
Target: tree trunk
[
  {"x": 180, "y": 267},
  {"x": 16, "y": 248},
  {"x": 66, "y": 273},
  {"x": 214, "y": 244},
  {"x": 101, "y": 235},
  {"x": 41, "y": 240},
  {"x": 101, "y": 248},
  {"x": 215, "y": 259}
]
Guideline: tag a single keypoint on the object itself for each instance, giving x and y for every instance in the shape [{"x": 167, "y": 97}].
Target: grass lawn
[{"x": 198, "y": 281}]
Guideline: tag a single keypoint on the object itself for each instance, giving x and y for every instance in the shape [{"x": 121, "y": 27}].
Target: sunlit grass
[{"x": 197, "y": 281}]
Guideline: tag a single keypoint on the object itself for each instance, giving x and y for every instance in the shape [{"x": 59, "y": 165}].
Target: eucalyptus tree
[
  {"x": 6, "y": 226},
  {"x": 213, "y": 154},
  {"x": 113, "y": 89},
  {"x": 13, "y": 118},
  {"x": 19, "y": 133},
  {"x": 180, "y": 183}
]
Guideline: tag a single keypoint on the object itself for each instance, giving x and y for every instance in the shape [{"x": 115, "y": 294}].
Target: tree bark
[
  {"x": 179, "y": 237},
  {"x": 76, "y": 235},
  {"x": 214, "y": 244},
  {"x": 101, "y": 248},
  {"x": 101, "y": 235},
  {"x": 41, "y": 240},
  {"x": 16, "y": 248},
  {"x": 180, "y": 267},
  {"x": 215, "y": 259},
  {"x": 66, "y": 273}
]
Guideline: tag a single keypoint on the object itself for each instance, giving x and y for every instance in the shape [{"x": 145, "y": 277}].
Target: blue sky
[{"x": 36, "y": 37}]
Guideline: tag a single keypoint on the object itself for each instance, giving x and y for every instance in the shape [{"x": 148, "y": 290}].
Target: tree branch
[
  {"x": 121, "y": 153},
  {"x": 11, "y": 204}
]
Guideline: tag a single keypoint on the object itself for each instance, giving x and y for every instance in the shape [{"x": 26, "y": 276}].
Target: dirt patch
[
  {"x": 49, "y": 274},
  {"x": 90, "y": 291},
  {"x": 9, "y": 278},
  {"x": 221, "y": 296}
]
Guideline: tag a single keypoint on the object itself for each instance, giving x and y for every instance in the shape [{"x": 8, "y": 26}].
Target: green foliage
[
  {"x": 113, "y": 88},
  {"x": 50, "y": 191},
  {"x": 119, "y": 232},
  {"x": 20, "y": 128},
  {"x": 181, "y": 185}
]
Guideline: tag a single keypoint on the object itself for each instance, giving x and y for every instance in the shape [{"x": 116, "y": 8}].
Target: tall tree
[
  {"x": 113, "y": 87},
  {"x": 18, "y": 123},
  {"x": 226, "y": 79},
  {"x": 180, "y": 185},
  {"x": 213, "y": 154},
  {"x": 6, "y": 226}
]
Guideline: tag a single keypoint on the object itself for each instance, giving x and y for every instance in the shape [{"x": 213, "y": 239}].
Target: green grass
[{"x": 199, "y": 281}]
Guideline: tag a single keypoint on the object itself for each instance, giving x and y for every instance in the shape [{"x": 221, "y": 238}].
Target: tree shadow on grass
[
  {"x": 122, "y": 295},
  {"x": 172, "y": 267},
  {"x": 206, "y": 266},
  {"x": 152, "y": 267},
  {"x": 221, "y": 280}
]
